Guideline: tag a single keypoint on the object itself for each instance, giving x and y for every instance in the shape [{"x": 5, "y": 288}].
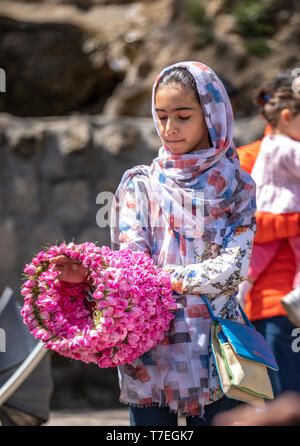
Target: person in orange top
[{"x": 263, "y": 301}]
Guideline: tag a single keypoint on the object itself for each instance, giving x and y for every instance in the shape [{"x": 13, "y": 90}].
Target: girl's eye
[{"x": 182, "y": 118}]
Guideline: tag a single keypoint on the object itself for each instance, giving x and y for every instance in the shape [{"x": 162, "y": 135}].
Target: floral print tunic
[{"x": 180, "y": 371}]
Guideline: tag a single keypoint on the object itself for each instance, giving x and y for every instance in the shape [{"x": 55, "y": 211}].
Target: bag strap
[
  {"x": 211, "y": 313},
  {"x": 216, "y": 319}
]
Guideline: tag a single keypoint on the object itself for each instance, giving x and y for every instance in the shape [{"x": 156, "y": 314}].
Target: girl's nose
[{"x": 171, "y": 127}]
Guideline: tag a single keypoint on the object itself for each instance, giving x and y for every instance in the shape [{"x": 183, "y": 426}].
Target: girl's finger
[{"x": 59, "y": 259}]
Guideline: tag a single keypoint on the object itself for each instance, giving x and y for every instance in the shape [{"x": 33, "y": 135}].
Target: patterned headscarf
[{"x": 204, "y": 193}]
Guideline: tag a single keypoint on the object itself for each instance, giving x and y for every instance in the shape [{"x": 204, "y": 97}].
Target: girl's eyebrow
[{"x": 174, "y": 109}]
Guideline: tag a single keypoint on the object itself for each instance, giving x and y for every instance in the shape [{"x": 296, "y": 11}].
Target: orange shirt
[{"x": 277, "y": 279}]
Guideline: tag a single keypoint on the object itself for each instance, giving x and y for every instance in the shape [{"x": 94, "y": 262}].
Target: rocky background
[{"x": 75, "y": 114}]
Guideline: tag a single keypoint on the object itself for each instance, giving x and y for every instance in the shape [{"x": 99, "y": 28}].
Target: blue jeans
[
  {"x": 278, "y": 333},
  {"x": 161, "y": 416}
]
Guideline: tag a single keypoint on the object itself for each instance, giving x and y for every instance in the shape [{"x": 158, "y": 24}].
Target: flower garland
[{"x": 123, "y": 312}]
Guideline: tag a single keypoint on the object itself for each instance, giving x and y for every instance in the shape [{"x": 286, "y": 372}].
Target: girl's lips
[{"x": 179, "y": 140}]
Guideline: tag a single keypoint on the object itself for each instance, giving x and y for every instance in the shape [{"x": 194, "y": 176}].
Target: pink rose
[{"x": 30, "y": 269}]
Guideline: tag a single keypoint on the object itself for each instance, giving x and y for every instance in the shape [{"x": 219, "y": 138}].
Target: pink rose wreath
[{"x": 123, "y": 310}]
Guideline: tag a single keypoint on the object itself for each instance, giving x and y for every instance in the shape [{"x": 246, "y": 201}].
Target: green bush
[
  {"x": 195, "y": 10},
  {"x": 257, "y": 47},
  {"x": 254, "y": 17}
]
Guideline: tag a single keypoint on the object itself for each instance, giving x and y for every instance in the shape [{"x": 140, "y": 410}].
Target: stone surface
[
  {"x": 9, "y": 246},
  {"x": 26, "y": 195},
  {"x": 69, "y": 201}
]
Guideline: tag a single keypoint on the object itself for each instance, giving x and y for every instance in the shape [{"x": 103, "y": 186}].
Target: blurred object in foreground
[
  {"x": 25, "y": 370},
  {"x": 283, "y": 411}
]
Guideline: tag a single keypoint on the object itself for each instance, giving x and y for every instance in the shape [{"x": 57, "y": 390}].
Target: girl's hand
[
  {"x": 244, "y": 288},
  {"x": 70, "y": 271}
]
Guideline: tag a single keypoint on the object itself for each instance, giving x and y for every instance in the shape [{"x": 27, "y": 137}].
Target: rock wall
[{"x": 52, "y": 172}]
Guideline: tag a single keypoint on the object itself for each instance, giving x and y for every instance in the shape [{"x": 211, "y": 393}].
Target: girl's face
[
  {"x": 180, "y": 120},
  {"x": 289, "y": 124}
]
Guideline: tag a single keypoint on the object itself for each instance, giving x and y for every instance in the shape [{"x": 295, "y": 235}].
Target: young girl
[
  {"x": 192, "y": 210},
  {"x": 157, "y": 210},
  {"x": 277, "y": 176}
]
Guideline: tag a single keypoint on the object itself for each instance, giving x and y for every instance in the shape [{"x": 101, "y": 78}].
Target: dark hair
[
  {"x": 274, "y": 97},
  {"x": 181, "y": 76}
]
